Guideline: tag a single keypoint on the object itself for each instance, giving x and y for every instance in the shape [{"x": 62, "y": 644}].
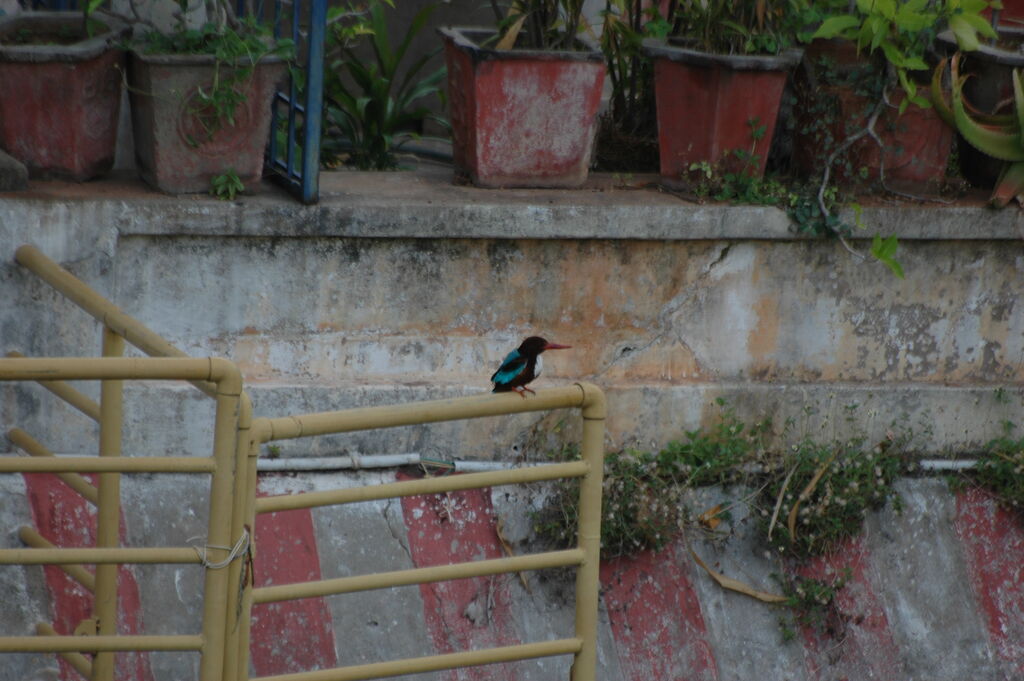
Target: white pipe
[
  {"x": 947, "y": 464},
  {"x": 356, "y": 462},
  {"x": 333, "y": 463}
]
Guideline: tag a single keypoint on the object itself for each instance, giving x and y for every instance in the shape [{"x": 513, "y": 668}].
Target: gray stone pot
[
  {"x": 59, "y": 103},
  {"x": 178, "y": 148}
]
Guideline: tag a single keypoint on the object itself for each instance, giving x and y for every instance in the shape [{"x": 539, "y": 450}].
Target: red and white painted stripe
[{"x": 655, "y": 616}]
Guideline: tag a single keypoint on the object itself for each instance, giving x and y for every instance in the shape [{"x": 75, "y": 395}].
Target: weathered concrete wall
[{"x": 402, "y": 286}]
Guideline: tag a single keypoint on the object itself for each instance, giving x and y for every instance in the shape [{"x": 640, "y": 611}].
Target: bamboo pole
[
  {"x": 436, "y": 573},
  {"x": 101, "y": 309},
  {"x": 80, "y": 662},
  {"x": 94, "y": 556},
  {"x": 588, "y": 576},
  {"x": 108, "y": 514},
  {"x": 30, "y": 536},
  {"x": 219, "y": 537},
  {"x": 432, "y": 411},
  {"x": 69, "y": 394},
  {"x": 239, "y": 588},
  {"x": 92, "y": 464},
  {"x": 408, "y": 488},
  {"x": 434, "y": 663},
  {"x": 111, "y": 368},
  {"x": 57, "y": 644},
  {"x": 19, "y": 438}
]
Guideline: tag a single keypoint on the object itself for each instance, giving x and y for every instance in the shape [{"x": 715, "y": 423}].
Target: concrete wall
[{"x": 403, "y": 286}]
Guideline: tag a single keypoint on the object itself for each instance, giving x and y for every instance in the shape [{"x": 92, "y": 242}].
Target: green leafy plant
[
  {"x": 1000, "y": 469},
  {"x": 904, "y": 30},
  {"x": 717, "y": 456},
  {"x": 812, "y": 604},
  {"x": 627, "y": 139},
  {"x": 805, "y": 500},
  {"x": 736, "y": 177},
  {"x": 237, "y": 45},
  {"x": 897, "y": 36},
  {"x": 999, "y": 136},
  {"x": 825, "y": 494},
  {"x": 738, "y": 26},
  {"x": 723, "y": 181},
  {"x": 642, "y": 507},
  {"x": 539, "y": 24},
  {"x": 884, "y": 250},
  {"x": 89, "y": 7},
  {"x": 371, "y": 118},
  {"x": 227, "y": 185}
]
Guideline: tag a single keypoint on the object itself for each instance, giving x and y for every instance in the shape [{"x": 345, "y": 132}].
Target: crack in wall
[
  {"x": 664, "y": 325},
  {"x": 396, "y": 534}
]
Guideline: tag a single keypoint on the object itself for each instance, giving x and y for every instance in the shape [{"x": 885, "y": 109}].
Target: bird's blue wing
[{"x": 510, "y": 368}]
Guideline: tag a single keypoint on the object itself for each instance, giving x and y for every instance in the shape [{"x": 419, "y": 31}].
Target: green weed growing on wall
[
  {"x": 825, "y": 494},
  {"x": 812, "y": 604},
  {"x": 1000, "y": 469},
  {"x": 643, "y": 505}
]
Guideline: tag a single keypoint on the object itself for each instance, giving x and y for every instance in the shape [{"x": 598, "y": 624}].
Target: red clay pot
[
  {"x": 706, "y": 103},
  {"x": 173, "y": 151},
  {"x": 916, "y": 149},
  {"x": 1012, "y": 13},
  {"x": 59, "y": 104},
  {"x": 521, "y": 118}
]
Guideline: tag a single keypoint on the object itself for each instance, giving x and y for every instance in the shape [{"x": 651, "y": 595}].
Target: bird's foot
[{"x": 522, "y": 390}]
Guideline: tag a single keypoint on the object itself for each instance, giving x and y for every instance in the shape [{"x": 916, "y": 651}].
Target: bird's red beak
[{"x": 556, "y": 346}]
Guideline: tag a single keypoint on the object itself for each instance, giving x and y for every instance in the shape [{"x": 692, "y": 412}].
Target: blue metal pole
[{"x": 314, "y": 102}]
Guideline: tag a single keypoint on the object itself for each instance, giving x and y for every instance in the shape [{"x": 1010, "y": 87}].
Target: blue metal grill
[{"x": 293, "y": 156}]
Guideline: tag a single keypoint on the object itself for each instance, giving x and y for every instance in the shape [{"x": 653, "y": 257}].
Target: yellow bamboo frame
[
  {"x": 584, "y": 396},
  {"x": 228, "y": 593},
  {"x": 108, "y": 555}
]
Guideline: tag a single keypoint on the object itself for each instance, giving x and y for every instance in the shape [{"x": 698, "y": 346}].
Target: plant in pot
[
  {"x": 60, "y": 90},
  {"x": 719, "y": 78},
  {"x": 524, "y": 97},
  {"x": 627, "y": 138},
  {"x": 868, "y": 115},
  {"x": 988, "y": 73},
  {"x": 999, "y": 136},
  {"x": 372, "y": 109},
  {"x": 201, "y": 100}
]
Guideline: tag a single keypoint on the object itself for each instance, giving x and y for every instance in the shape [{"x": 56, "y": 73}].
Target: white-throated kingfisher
[{"x": 522, "y": 365}]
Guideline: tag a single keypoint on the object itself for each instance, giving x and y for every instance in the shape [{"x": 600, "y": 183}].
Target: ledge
[{"x": 424, "y": 203}]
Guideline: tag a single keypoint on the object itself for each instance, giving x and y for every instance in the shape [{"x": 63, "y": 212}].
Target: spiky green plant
[{"x": 999, "y": 136}]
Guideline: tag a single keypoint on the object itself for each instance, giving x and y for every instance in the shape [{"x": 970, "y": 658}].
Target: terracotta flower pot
[
  {"x": 915, "y": 145},
  {"x": 709, "y": 104},
  {"x": 180, "y": 147},
  {"x": 521, "y": 118},
  {"x": 59, "y": 103}
]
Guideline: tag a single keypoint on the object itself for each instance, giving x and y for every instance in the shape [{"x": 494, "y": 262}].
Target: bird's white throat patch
[{"x": 537, "y": 367}]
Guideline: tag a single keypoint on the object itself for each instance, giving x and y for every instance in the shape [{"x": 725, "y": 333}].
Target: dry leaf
[
  {"x": 738, "y": 586},
  {"x": 806, "y": 493},
  {"x": 778, "y": 502},
  {"x": 509, "y": 39},
  {"x": 499, "y": 530},
  {"x": 709, "y": 518}
]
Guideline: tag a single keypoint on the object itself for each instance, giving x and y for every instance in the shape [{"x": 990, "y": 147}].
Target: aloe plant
[{"x": 999, "y": 136}]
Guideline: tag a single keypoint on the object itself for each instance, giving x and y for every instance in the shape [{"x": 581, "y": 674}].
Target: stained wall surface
[{"x": 401, "y": 287}]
